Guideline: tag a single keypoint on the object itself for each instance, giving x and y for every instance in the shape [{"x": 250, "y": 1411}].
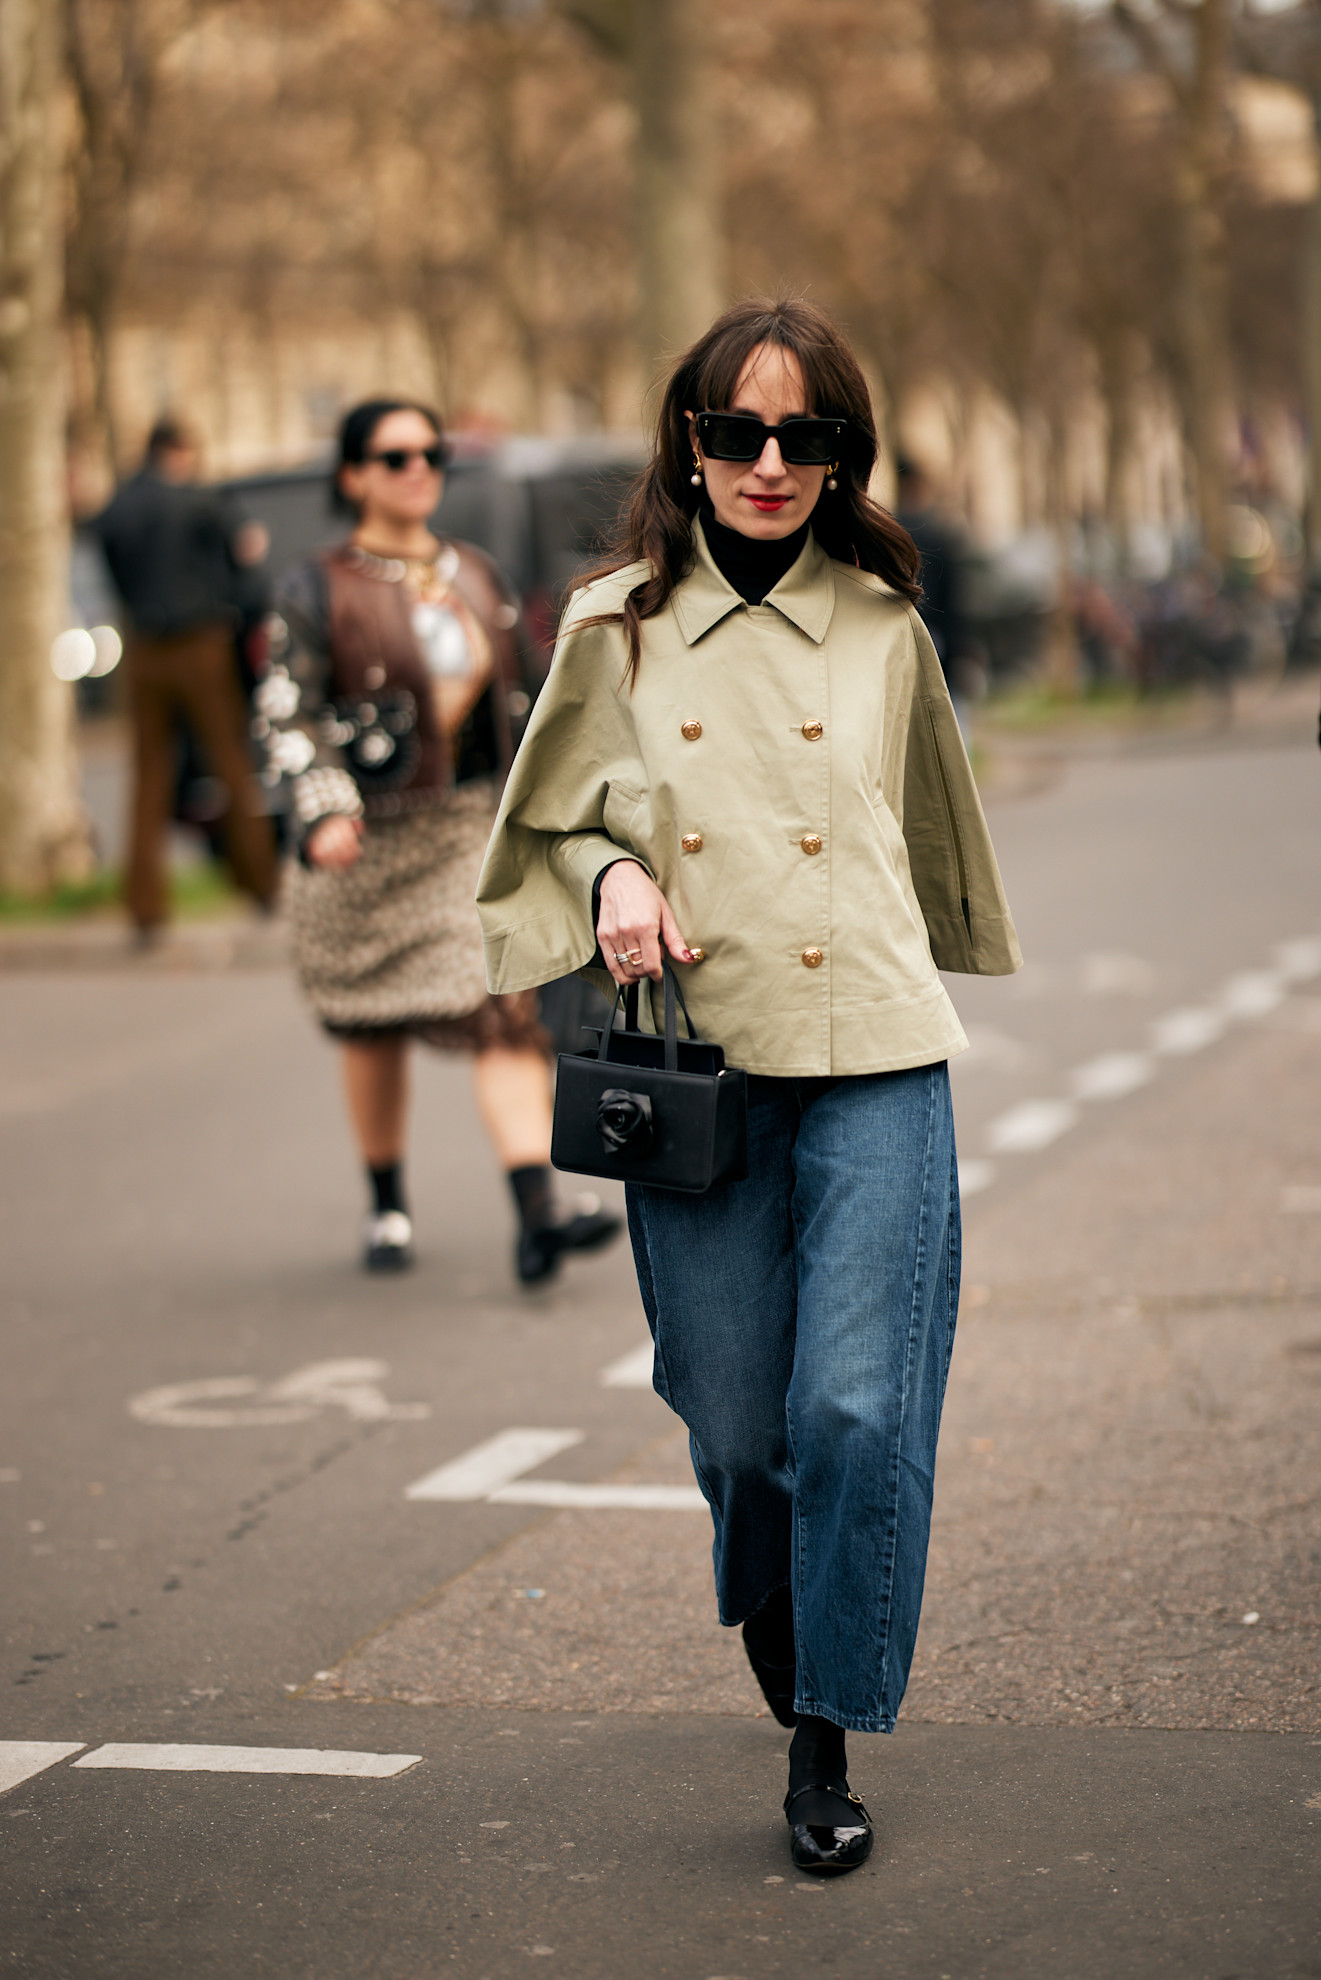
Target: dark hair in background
[
  {"x": 656, "y": 527},
  {"x": 355, "y": 438},
  {"x": 169, "y": 435}
]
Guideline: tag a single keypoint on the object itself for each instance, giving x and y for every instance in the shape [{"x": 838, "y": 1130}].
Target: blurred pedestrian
[
  {"x": 177, "y": 554},
  {"x": 943, "y": 550},
  {"x": 745, "y": 761},
  {"x": 391, "y": 709}
]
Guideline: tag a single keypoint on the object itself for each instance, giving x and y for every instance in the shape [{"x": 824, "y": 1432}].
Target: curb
[{"x": 232, "y": 943}]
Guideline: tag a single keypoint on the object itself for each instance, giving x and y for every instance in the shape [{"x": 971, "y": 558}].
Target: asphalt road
[{"x": 199, "y": 1515}]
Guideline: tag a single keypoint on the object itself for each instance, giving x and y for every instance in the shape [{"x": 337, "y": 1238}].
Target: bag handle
[{"x": 629, "y": 993}]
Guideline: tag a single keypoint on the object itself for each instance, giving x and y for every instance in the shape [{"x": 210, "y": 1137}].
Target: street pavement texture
[{"x": 1110, "y": 1759}]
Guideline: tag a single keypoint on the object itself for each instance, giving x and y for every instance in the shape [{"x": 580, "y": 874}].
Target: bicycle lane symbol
[{"x": 235, "y": 1402}]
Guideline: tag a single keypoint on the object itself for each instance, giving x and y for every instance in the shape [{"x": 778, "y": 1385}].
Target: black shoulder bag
[{"x": 665, "y": 1111}]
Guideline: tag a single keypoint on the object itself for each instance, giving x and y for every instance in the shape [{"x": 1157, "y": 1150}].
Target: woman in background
[{"x": 391, "y": 707}]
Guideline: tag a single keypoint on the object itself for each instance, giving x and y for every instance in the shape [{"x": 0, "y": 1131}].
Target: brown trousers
[{"x": 190, "y": 674}]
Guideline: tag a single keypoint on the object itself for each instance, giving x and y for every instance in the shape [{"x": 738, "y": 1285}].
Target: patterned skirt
[{"x": 392, "y": 944}]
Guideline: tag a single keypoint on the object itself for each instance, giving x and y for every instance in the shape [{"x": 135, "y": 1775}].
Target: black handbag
[{"x": 661, "y": 1110}]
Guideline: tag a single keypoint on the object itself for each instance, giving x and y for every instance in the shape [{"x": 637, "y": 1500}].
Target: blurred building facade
[{"x": 324, "y": 197}]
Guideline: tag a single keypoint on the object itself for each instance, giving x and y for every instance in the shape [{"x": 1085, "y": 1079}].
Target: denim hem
[
  {"x": 736, "y": 1622},
  {"x": 848, "y": 1721}
]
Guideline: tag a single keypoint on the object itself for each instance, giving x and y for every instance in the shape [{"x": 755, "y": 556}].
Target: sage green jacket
[{"x": 792, "y": 776}]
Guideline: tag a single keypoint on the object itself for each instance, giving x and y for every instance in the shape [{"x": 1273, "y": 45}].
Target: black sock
[
  {"x": 387, "y": 1181},
  {"x": 816, "y": 1753},
  {"x": 770, "y": 1633},
  {"x": 534, "y": 1194}
]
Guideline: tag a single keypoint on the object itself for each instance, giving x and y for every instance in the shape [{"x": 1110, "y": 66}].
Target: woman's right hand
[
  {"x": 636, "y": 920},
  {"x": 334, "y": 842}
]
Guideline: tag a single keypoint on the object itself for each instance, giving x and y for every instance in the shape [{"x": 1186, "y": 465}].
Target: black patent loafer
[
  {"x": 777, "y": 1683},
  {"x": 830, "y": 1851}
]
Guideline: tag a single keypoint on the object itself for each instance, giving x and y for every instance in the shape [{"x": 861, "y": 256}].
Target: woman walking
[
  {"x": 745, "y": 761},
  {"x": 392, "y": 708}
]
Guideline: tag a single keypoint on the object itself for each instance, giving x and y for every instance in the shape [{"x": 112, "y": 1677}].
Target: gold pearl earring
[
  {"x": 696, "y": 476},
  {"x": 831, "y": 483}
]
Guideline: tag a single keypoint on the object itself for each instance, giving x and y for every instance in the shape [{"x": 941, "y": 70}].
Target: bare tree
[
  {"x": 1287, "y": 46},
  {"x": 114, "y": 50},
  {"x": 43, "y": 833},
  {"x": 1188, "y": 46},
  {"x": 665, "y": 45}
]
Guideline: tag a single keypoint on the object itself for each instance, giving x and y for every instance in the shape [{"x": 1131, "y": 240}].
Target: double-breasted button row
[{"x": 812, "y": 729}]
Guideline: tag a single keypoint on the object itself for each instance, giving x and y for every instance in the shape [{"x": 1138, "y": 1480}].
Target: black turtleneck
[{"x": 754, "y": 565}]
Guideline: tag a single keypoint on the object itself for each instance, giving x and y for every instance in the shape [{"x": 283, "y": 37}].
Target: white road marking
[
  {"x": 975, "y": 1174},
  {"x": 250, "y": 1760},
  {"x": 1110, "y": 973},
  {"x": 1300, "y": 960},
  {"x": 20, "y": 1759},
  {"x": 1254, "y": 993},
  {"x": 632, "y": 1371},
  {"x": 1301, "y": 1199},
  {"x": 594, "y": 1498},
  {"x": 493, "y": 1471},
  {"x": 481, "y": 1472},
  {"x": 1111, "y": 1076},
  {"x": 1188, "y": 1030},
  {"x": 1032, "y": 1124},
  {"x": 990, "y": 1050},
  {"x": 353, "y": 1386}
]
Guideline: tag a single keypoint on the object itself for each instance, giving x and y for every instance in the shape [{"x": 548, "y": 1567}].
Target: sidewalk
[
  {"x": 1019, "y": 755},
  {"x": 1110, "y": 1757}
]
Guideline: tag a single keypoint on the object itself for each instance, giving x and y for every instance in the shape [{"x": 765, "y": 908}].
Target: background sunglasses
[
  {"x": 396, "y": 459},
  {"x": 804, "y": 441}
]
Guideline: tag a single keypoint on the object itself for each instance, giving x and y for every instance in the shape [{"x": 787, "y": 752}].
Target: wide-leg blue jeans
[{"x": 803, "y": 1322}]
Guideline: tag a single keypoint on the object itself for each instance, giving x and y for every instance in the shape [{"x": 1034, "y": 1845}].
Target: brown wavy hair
[{"x": 656, "y": 523}]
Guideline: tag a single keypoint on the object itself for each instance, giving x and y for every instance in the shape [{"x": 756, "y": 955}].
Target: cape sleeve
[
  {"x": 575, "y": 781},
  {"x": 955, "y": 873}
]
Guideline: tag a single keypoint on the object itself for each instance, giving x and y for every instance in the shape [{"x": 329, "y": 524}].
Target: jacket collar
[{"x": 805, "y": 594}]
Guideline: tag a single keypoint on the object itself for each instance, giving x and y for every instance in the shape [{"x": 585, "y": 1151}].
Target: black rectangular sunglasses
[
  {"x": 804, "y": 440},
  {"x": 396, "y": 459}
]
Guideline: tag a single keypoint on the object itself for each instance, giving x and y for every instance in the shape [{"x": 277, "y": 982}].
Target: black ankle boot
[{"x": 545, "y": 1235}]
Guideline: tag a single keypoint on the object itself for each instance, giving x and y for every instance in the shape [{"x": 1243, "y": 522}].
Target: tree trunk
[
  {"x": 680, "y": 288},
  {"x": 1116, "y": 368},
  {"x": 1201, "y": 276},
  {"x": 43, "y": 831},
  {"x": 1312, "y": 363},
  {"x": 676, "y": 163}
]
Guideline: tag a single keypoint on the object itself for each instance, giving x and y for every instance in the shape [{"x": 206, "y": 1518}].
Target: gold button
[
  {"x": 691, "y": 842},
  {"x": 813, "y": 958},
  {"x": 813, "y": 731},
  {"x": 698, "y": 955},
  {"x": 810, "y": 842},
  {"x": 690, "y": 731}
]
